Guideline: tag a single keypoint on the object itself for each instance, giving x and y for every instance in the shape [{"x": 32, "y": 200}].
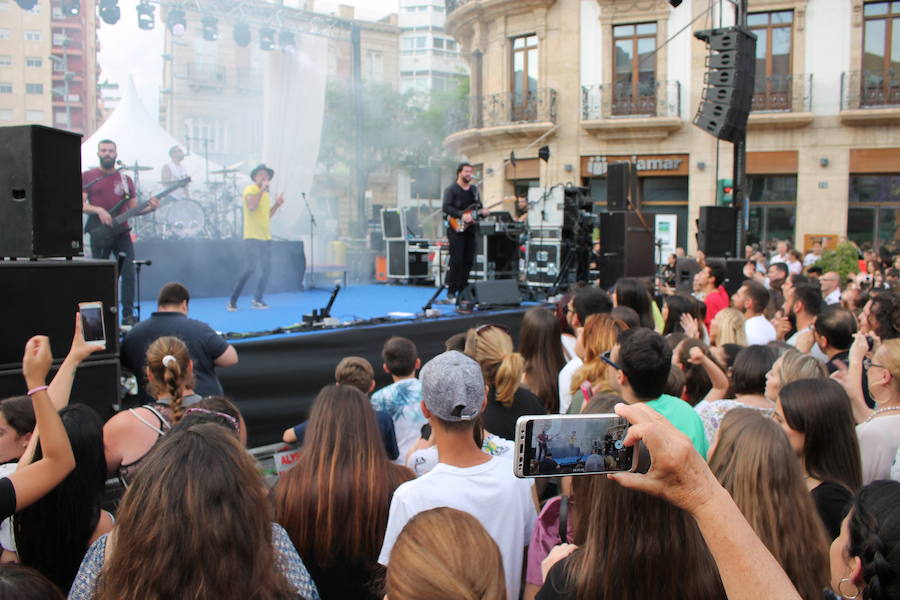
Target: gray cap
[{"x": 452, "y": 386}]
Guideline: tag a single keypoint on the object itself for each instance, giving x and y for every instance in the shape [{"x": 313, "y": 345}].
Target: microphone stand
[
  {"x": 431, "y": 300},
  {"x": 137, "y": 267},
  {"x": 312, "y": 244}
]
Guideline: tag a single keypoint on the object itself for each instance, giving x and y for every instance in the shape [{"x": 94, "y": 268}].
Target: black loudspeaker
[
  {"x": 730, "y": 77},
  {"x": 41, "y": 298},
  {"x": 621, "y": 185},
  {"x": 498, "y": 292},
  {"x": 685, "y": 269},
  {"x": 40, "y": 192},
  {"x": 96, "y": 384},
  {"x": 717, "y": 230},
  {"x": 626, "y": 248},
  {"x": 735, "y": 268}
]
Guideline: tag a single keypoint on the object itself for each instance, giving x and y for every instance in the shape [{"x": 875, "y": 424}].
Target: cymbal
[
  {"x": 224, "y": 171},
  {"x": 137, "y": 167},
  {"x": 235, "y": 165}
]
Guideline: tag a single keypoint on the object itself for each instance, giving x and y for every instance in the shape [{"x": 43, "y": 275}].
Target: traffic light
[{"x": 725, "y": 195}]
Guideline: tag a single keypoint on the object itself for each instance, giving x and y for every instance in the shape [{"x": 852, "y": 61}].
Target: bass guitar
[
  {"x": 459, "y": 225},
  {"x": 104, "y": 235}
]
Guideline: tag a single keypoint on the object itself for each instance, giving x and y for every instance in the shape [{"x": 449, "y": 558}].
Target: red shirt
[
  {"x": 109, "y": 191},
  {"x": 715, "y": 302}
]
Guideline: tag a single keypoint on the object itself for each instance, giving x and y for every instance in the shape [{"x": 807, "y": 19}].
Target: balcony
[
  {"x": 782, "y": 101},
  {"x": 870, "y": 98},
  {"x": 205, "y": 76},
  {"x": 650, "y": 110},
  {"x": 511, "y": 114}
]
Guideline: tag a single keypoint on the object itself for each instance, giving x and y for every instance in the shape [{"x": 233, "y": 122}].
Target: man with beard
[
  {"x": 460, "y": 198},
  {"x": 107, "y": 193}
]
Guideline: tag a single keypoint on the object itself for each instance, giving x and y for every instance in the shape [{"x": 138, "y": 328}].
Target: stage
[{"x": 281, "y": 367}]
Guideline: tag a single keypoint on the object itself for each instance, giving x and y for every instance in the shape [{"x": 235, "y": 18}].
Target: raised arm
[
  {"x": 35, "y": 480},
  {"x": 252, "y": 200},
  {"x": 61, "y": 386},
  {"x": 716, "y": 375}
]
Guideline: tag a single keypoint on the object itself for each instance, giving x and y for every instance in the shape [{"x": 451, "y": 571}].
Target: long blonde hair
[
  {"x": 754, "y": 461},
  {"x": 796, "y": 365},
  {"x": 432, "y": 558},
  {"x": 599, "y": 335},
  {"x": 502, "y": 367},
  {"x": 730, "y": 325},
  {"x": 169, "y": 377}
]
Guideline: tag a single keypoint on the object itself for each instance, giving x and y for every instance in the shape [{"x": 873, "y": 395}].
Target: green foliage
[{"x": 843, "y": 260}]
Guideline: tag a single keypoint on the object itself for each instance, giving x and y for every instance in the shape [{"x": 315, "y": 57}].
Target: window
[
  {"x": 524, "y": 78},
  {"x": 880, "y": 79},
  {"x": 439, "y": 43},
  {"x": 5, "y": 60},
  {"x": 61, "y": 118},
  {"x": 773, "y": 208},
  {"x": 408, "y": 43},
  {"x": 450, "y": 45},
  {"x": 4, "y": 6},
  {"x": 772, "y": 88},
  {"x": 6, "y": 88},
  {"x": 34, "y": 88},
  {"x": 33, "y": 116},
  {"x": 421, "y": 41},
  {"x": 34, "y": 61},
  {"x": 6, "y": 114},
  {"x": 5, "y": 34},
  {"x": 374, "y": 65},
  {"x": 634, "y": 66},
  {"x": 874, "y": 212},
  {"x": 32, "y": 35}
]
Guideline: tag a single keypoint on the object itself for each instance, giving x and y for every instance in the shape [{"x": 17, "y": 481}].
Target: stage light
[
  {"x": 266, "y": 39},
  {"x": 110, "y": 11},
  {"x": 544, "y": 153},
  {"x": 146, "y": 16},
  {"x": 675, "y": 3},
  {"x": 71, "y": 8},
  {"x": 176, "y": 22},
  {"x": 210, "y": 28},
  {"x": 287, "y": 42},
  {"x": 242, "y": 34},
  {"x": 26, "y": 4}
]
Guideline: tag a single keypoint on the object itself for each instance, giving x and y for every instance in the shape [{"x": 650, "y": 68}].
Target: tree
[{"x": 843, "y": 260}]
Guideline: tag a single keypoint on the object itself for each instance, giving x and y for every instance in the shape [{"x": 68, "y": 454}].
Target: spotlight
[
  {"x": 675, "y": 3},
  {"x": 176, "y": 22},
  {"x": 146, "y": 16},
  {"x": 242, "y": 34},
  {"x": 267, "y": 38},
  {"x": 26, "y": 4},
  {"x": 287, "y": 42},
  {"x": 71, "y": 8},
  {"x": 110, "y": 11},
  {"x": 210, "y": 28},
  {"x": 544, "y": 153}
]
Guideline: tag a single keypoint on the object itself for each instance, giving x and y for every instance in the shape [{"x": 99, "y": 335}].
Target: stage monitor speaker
[
  {"x": 717, "y": 231},
  {"x": 41, "y": 297},
  {"x": 497, "y": 292},
  {"x": 40, "y": 199},
  {"x": 735, "y": 268},
  {"x": 621, "y": 184},
  {"x": 626, "y": 248},
  {"x": 96, "y": 384}
]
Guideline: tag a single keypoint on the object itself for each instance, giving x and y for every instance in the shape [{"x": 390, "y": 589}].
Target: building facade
[
  {"x": 48, "y": 66},
  {"x": 606, "y": 80},
  {"x": 429, "y": 57}
]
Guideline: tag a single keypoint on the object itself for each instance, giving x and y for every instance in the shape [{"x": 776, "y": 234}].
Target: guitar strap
[{"x": 126, "y": 192}]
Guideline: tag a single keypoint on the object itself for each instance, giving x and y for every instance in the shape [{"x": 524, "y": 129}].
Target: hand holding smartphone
[
  {"x": 554, "y": 445},
  {"x": 92, "y": 323}
]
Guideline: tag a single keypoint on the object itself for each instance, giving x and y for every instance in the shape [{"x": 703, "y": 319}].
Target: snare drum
[{"x": 182, "y": 219}]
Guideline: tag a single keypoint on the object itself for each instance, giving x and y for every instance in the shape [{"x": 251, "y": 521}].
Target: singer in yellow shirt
[{"x": 258, "y": 210}]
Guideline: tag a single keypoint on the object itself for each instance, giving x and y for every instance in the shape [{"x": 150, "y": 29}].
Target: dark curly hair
[
  {"x": 875, "y": 538},
  {"x": 884, "y": 315}
]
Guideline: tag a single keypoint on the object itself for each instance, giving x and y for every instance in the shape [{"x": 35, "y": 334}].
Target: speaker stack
[
  {"x": 40, "y": 220},
  {"x": 730, "y": 76},
  {"x": 717, "y": 230},
  {"x": 626, "y": 244}
]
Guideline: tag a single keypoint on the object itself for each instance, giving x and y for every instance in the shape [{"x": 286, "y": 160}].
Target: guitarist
[
  {"x": 462, "y": 203},
  {"x": 106, "y": 192}
]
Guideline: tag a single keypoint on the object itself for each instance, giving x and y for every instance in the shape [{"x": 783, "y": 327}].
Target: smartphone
[
  {"x": 554, "y": 445},
  {"x": 92, "y": 323}
]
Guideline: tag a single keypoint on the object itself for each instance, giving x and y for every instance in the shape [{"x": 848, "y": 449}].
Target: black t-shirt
[
  {"x": 555, "y": 587},
  {"x": 345, "y": 581},
  {"x": 844, "y": 357},
  {"x": 204, "y": 346},
  {"x": 458, "y": 200},
  {"x": 501, "y": 420},
  {"x": 833, "y": 503},
  {"x": 7, "y": 498}
]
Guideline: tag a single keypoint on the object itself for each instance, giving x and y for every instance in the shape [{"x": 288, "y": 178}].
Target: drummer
[{"x": 173, "y": 171}]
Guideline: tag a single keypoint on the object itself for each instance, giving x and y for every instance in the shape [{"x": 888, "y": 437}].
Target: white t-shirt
[
  {"x": 778, "y": 258},
  {"x": 815, "y": 351},
  {"x": 810, "y": 259},
  {"x": 490, "y": 492},
  {"x": 424, "y": 460},
  {"x": 834, "y": 297},
  {"x": 565, "y": 382},
  {"x": 568, "y": 342},
  {"x": 878, "y": 443},
  {"x": 759, "y": 331}
]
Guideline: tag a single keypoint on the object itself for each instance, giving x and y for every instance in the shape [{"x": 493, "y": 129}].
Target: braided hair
[
  {"x": 875, "y": 538},
  {"x": 169, "y": 363}
]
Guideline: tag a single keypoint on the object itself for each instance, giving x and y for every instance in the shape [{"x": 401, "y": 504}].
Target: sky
[{"x": 126, "y": 50}]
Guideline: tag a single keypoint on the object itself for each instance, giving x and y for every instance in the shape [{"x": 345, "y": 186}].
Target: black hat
[{"x": 261, "y": 167}]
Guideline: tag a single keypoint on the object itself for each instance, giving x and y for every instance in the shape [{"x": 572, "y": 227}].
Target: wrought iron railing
[
  {"x": 869, "y": 89},
  {"x": 648, "y": 99},
  {"x": 783, "y": 93},
  {"x": 533, "y": 106}
]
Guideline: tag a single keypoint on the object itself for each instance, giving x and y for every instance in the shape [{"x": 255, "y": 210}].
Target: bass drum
[{"x": 182, "y": 219}]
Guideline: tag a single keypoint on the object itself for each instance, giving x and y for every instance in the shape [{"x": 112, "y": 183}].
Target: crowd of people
[{"x": 771, "y": 416}]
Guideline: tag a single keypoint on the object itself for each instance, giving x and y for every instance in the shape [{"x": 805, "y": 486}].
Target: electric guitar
[
  {"x": 104, "y": 235},
  {"x": 459, "y": 225}
]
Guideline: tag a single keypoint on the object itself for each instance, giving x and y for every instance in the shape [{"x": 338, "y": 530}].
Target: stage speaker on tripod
[
  {"x": 729, "y": 78},
  {"x": 717, "y": 230}
]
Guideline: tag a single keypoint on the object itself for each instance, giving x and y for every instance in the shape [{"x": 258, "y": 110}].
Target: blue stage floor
[{"x": 354, "y": 303}]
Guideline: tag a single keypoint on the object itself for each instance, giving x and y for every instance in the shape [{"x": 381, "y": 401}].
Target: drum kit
[{"x": 210, "y": 211}]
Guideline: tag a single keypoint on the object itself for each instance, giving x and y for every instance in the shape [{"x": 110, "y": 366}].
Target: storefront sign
[{"x": 676, "y": 164}]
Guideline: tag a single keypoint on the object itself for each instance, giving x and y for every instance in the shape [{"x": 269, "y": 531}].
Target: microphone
[
  {"x": 120, "y": 163},
  {"x": 144, "y": 262}
]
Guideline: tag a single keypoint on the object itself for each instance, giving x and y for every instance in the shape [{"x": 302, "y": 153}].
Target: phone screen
[
  {"x": 92, "y": 322},
  {"x": 564, "y": 445}
]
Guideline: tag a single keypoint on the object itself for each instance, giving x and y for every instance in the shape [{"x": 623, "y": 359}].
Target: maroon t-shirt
[{"x": 109, "y": 191}]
